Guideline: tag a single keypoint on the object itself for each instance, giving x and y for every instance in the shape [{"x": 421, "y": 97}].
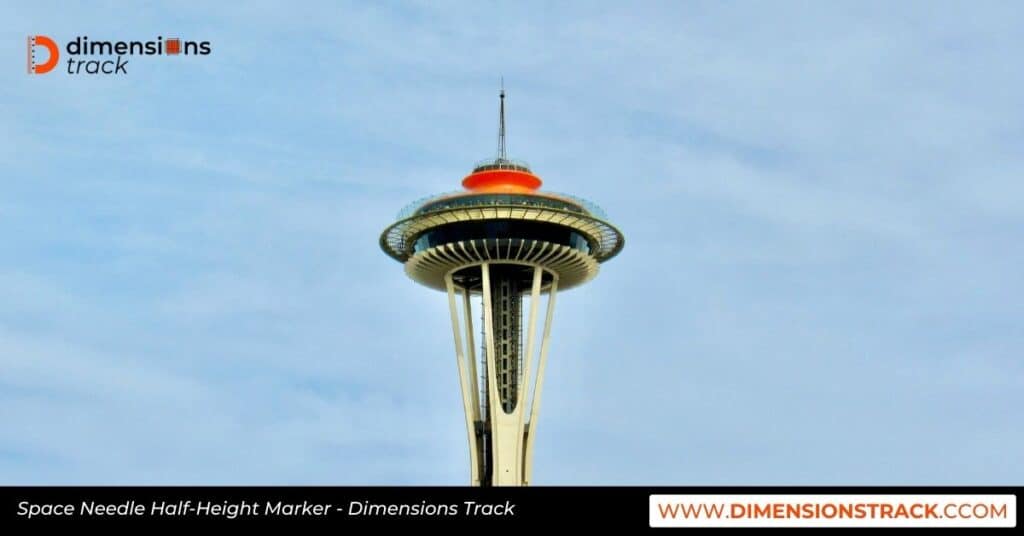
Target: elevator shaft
[{"x": 506, "y": 314}]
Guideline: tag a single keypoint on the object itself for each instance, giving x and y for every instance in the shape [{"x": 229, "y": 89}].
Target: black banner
[{"x": 601, "y": 508}]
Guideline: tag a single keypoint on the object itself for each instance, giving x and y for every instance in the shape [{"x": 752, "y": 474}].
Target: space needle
[{"x": 501, "y": 246}]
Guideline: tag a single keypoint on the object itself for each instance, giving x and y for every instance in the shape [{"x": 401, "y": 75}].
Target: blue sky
[{"x": 822, "y": 281}]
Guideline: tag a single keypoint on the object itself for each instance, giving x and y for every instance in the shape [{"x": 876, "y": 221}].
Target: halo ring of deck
[{"x": 398, "y": 239}]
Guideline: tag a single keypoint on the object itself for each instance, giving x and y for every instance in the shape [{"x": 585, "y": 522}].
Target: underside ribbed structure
[{"x": 429, "y": 267}]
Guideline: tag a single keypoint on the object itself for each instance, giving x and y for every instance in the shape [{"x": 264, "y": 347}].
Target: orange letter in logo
[{"x": 49, "y": 45}]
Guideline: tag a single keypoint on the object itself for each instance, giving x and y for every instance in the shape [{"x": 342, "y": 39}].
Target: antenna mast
[{"x": 502, "y": 153}]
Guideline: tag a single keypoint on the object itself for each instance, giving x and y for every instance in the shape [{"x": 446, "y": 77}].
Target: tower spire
[{"x": 502, "y": 153}]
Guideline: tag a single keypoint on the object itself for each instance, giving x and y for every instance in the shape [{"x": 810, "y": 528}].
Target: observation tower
[{"x": 501, "y": 246}]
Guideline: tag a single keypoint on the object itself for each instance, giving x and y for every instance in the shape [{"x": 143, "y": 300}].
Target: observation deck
[{"x": 502, "y": 216}]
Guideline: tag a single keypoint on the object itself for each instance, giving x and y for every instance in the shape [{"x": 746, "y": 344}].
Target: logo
[
  {"x": 95, "y": 57},
  {"x": 53, "y": 54}
]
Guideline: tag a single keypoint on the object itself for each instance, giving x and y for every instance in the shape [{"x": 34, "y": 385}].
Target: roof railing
[
  {"x": 593, "y": 208},
  {"x": 501, "y": 163},
  {"x": 410, "y": 209},
  {"x": 500, "y": 199}
]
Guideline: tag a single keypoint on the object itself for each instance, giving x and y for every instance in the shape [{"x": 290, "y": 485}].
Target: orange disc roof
[{"x": 501, "y": 180}]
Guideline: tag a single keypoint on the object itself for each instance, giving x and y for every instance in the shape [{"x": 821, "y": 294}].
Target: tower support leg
[{"x": 467, "y": 381}]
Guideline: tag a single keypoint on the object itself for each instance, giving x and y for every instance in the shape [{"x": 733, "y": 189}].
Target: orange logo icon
[{"x": 52, "y": 49}]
